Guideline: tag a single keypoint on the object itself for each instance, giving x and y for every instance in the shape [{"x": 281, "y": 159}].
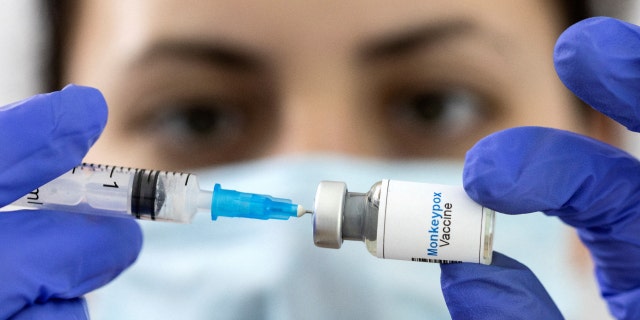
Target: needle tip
[{"x": 302, "y": 211}]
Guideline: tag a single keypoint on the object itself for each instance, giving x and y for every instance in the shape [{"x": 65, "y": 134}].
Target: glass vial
[{"x": 406, "y": 221}]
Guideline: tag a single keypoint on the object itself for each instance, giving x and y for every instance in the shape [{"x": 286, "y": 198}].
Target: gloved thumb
[
  {"x": 506, "y": 289},
  {"x": 597, "y": 59},
  {"x": 45, "y": 136}
]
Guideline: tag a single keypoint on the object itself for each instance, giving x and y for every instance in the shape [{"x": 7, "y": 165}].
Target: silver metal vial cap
[{"x": 327, "y": 214}]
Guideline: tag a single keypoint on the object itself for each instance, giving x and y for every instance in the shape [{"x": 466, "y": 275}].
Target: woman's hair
[{"x": 59, "y": 16}]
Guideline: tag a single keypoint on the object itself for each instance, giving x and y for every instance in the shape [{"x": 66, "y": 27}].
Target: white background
[{"x": 20, "y": 40}]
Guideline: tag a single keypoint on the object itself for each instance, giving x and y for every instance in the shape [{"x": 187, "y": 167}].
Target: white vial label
[{"x": 429, "y": 223}]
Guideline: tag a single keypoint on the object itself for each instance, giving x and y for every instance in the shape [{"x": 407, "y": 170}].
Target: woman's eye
[
  {"x": 197, "y": 132},
  {"x": 188, "y": 130},
  {"x": 192, "y": 122},
  {"x": 449, "y": 112}
]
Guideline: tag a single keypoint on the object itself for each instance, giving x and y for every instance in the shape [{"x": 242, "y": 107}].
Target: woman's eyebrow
[
  {"x": 415, "y": 38},
  {"x": 218, "y": 53}
]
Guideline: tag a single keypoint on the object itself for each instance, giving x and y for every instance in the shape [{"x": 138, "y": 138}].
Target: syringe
[{"x": 150, "y": 195}]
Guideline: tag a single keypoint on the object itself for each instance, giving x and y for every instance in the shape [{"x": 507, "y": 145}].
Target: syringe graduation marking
[{"x": 143, "y": 193}]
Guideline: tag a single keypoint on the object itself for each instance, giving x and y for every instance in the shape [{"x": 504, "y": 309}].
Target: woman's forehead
[{"x": 266, "y": 23}]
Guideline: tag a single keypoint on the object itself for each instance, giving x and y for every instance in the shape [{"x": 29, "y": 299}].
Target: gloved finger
[
  {"x": 597, "y": 59},
  {"x": 73, "y": 309},
  {"x": 586, "y": 183},
  {"x": 48, "y": 255},
  {"x": 46, "y": 135},
  {"x": 506, "y": 289}
]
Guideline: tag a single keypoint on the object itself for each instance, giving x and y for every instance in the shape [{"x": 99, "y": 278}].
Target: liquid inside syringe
[{"x": 150, "y": 195}]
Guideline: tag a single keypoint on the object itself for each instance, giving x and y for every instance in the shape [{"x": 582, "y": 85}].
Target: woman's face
[{"x": 193, "y": 83}]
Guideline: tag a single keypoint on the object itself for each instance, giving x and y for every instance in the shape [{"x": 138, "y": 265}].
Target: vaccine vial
[{"x": 406, "y": 221}]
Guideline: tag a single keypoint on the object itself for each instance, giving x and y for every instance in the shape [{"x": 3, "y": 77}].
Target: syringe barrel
[{"x": 118, "y": 191}]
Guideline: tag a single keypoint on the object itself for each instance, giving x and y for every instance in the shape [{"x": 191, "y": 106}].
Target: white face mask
[{"x": 254, "y": 269}]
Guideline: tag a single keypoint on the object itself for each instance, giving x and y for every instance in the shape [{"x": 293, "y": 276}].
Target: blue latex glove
[
  {"x": 48, "y": 259},
  {"x": 589, "y": 185}
]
